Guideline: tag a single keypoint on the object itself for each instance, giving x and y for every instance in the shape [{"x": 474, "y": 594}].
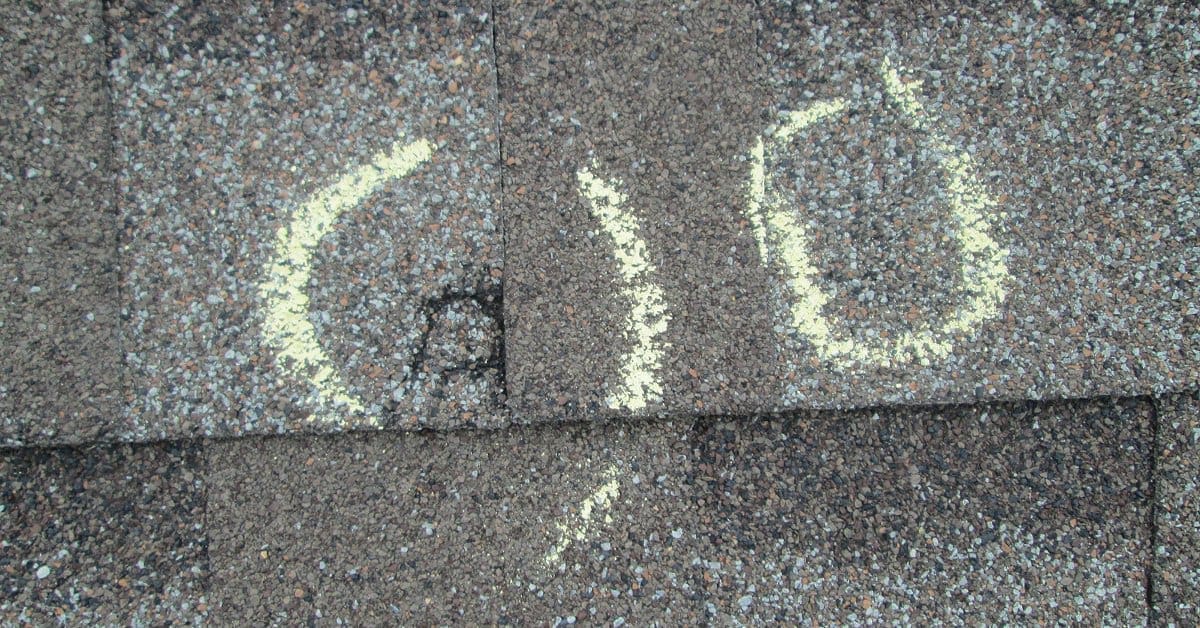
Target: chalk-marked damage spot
[
  {"x": 286, "y": 324},
  {"x": 648, "y": 316},
  {"x": 598, "y": 501},
  {"x": 783, "y": 239}
]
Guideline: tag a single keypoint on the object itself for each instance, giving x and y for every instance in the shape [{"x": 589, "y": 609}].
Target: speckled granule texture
[
  {"x": 1002, "y": 513},
  {"x": 662, "y": 100},
  {"x": 102, "y": 536},
  {"x": 229, "y": 117},
  {"x": 59, "y": 368},
  {"x": 1006, "y": 514},
  {"x": 419, "y": 528},
  {"x": 1081, "y": 124},
  {"x": 1176, "y": 577}
]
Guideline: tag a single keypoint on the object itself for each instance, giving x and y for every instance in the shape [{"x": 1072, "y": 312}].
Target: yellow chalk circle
[
  {"x": 648, "y": 313},
  {"x": 784, "y": 240},
  {"x": 286, "y": 323}
]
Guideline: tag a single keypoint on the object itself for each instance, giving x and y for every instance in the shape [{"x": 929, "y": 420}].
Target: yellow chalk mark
[
  {"x": 784, "y": 240},
  {"x": 286, "y": 323},
  {"x": 904, "y": 93},
  {"x": 805, "y": 118},
  {"x": 796, "y": 121},
  {"x": 757, "y": 193},
  {"x": 648, "y": 312},
  {"x": 597, "y": 501}
]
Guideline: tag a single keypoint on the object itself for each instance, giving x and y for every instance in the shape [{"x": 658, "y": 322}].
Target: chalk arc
[{"x": 283, "y": 288}]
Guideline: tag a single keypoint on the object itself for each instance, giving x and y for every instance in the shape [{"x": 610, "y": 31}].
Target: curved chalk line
[
  {"x": 648, "y": 316},
  {"x": 782, "y": 238},
  {"x": 284, "y": 285}
]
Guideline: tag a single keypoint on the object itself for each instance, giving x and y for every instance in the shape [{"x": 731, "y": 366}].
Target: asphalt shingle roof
[{"x": 552, "y": 312}]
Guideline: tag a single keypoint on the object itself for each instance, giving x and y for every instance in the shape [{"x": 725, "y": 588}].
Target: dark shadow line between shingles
[
  {"x": 501, "y": 217},
  {"x": 695, "y": 422},
  {"x": 1152, "y": 490},
  {"x": 206, "y": 578},
  {"x": 112, "y": 52}
]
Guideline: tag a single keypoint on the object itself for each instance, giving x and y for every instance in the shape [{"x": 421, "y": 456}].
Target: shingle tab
[{"x": 718, "y": 209}]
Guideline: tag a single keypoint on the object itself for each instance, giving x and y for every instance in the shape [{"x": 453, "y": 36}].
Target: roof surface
[{"x": 550, "y": 312}]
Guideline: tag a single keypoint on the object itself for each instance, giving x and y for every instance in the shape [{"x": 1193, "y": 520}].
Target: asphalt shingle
[
  {"x": 1016, "y": 512},
  {"x": 655, "y": 104},
  {"x": 60, "y": 379},
  {"x": 731, "y": 210},
  {"x": 1004, "y": 513},
  {"x": 307, "y": 196},
  {"x": 526, "y": 524},
  {"x": 1015, "y": 179},
  {"x": 103, "y": 535}
]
